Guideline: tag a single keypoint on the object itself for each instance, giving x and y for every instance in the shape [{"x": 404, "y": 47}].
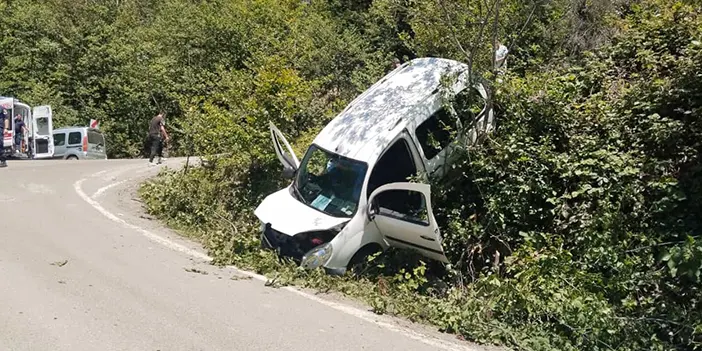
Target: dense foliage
[
  {"x": 122, "y": 61},
  {"x": 576, "y": 225},
  {"x": 591, "y": 190}
]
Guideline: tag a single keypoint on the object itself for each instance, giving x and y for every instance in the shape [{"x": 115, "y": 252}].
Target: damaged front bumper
[
  {"x": 285, "y": 245},
  {"x": 310, "y": 250}
]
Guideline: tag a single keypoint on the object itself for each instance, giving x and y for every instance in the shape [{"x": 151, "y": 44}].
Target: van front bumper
[{"x": 285, "y": 245}]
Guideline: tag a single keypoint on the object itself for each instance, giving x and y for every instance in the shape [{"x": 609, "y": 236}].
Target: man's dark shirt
[
  {"x": 18, "y": 126},
  {"x": 155, "y": 126}
]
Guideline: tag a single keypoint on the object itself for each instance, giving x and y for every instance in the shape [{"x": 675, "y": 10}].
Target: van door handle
[{"x": 427, "y": 238}]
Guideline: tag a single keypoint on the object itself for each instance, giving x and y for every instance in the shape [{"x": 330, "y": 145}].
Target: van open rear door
[{"x": 43, "y": 129}]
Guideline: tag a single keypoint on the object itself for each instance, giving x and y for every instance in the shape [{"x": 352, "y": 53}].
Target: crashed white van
[{"x": 350, "y": 195}]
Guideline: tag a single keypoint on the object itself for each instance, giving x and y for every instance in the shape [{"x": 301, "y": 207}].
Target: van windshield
[{"x": 329, "y": 182}]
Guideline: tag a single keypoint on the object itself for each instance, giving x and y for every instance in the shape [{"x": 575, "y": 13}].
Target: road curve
[{"x": 82, "y": 269}]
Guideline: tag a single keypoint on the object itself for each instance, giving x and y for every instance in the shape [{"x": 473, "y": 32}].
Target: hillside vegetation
[{"x": 575, "y": 226}]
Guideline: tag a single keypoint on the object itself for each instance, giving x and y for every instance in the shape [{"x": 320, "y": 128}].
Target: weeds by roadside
[{"x": 406, "y": 291}]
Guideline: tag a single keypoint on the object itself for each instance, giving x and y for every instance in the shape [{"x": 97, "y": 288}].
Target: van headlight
[{"x": 317, "y": 257}]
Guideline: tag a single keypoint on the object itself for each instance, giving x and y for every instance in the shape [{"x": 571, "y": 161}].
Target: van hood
[{"x": 290, "y": 216}]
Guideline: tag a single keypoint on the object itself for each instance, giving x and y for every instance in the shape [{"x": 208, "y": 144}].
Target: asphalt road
[{"x": 82, "y": 269}]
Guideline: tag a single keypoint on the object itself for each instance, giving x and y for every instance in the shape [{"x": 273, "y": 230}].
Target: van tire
[
  {"x": 358, "y": 265},
  {"x": 72, "y": 158}
]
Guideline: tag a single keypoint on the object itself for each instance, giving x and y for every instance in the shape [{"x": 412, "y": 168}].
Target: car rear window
[{"x": 95, "y": 138}]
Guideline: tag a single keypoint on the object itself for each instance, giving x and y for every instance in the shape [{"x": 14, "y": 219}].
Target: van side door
[
  {"x": 410, "y": 225},
  {"x": 399, "y": 210},
  {"x": 284, "y": 151},
  {"x": 74, "y": 145},
  {"x": 60, "y": 140}
]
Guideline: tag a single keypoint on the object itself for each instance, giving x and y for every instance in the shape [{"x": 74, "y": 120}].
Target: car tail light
[{"x": 85, "y": 143}]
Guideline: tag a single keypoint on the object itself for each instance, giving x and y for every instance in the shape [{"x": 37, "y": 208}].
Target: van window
[
  {"x": 434, "y": 134},
  {"x": 404, "y": 205},
  {"x": 95, "y": 138},
  {"x": 396, "y": 165},
  {"x": 468, "y": 104},
  {"x": 60, "y": 139},
  {"x": 42, "y": 126},
  {"x": 74, "y": 138}
]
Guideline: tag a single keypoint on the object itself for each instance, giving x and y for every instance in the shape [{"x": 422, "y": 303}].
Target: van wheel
[
  {"x": 72, "y": 158},
  {"x": 359, "y": 262}
]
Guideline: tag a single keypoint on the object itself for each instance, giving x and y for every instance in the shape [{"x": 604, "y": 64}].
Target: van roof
[{"x": 363, "y": 130}]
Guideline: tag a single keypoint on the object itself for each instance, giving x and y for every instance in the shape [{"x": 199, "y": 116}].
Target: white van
[
  {"x": 350, "y": 195},
  {"x": 39, "y": 142}
]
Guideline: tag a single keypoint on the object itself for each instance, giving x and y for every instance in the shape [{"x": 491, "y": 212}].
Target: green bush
[{"x": 585, "y": 203}]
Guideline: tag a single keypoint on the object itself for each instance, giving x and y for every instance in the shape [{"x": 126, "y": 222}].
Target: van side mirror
[
  {"x": 289, "y": 173},
  {"x": 372, "y": 210}
]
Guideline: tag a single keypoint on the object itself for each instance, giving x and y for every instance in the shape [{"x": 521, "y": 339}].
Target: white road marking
[
  {"x": 151, "y": 236},
  {"x": 362, "y": 314},
  {"x": 104, "y": 188},
  {"x": 5, "y": 198},
  {"x": 37, "y": 188},
  {"x": 112, "y": 175}
]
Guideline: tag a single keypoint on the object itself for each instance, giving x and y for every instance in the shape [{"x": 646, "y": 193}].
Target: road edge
[{"x": 364, "y": 315}]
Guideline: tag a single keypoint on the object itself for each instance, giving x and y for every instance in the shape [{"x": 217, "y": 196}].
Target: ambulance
[{"x": 38, "y": 142}]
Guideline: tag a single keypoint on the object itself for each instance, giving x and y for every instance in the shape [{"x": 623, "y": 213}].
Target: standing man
[
  {"x": 4, "y": 126},
  {"x": 157, "y": 134},
  {"x": 20, "y": 131},
  {"x": 501, "y": 61}
]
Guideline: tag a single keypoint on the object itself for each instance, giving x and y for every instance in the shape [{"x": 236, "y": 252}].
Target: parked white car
[{"x": 350, "y": 195}]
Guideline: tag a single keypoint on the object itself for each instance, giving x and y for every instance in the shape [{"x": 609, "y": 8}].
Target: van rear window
[
  {"x": 95, "y": 138},
  {"x": 435, "y": 133}
]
